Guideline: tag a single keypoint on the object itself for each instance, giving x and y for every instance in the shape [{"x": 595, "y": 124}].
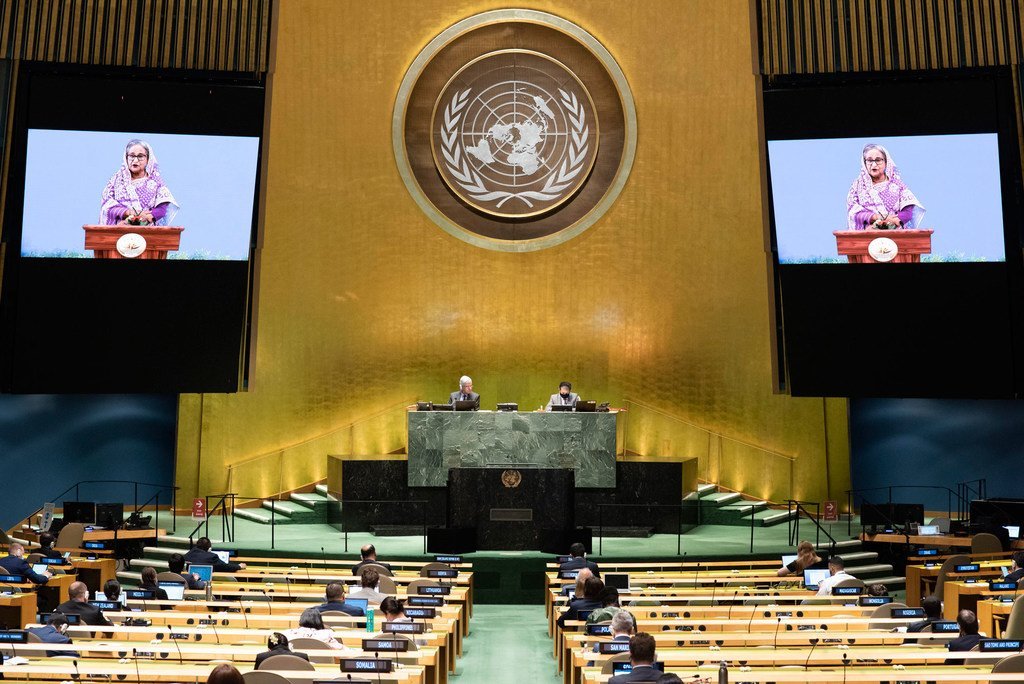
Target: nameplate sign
[
  {"x": 11, "y": 578},
  {"x": 142, "y": 594},
  {"x": 107, "y": 605},
  {"x": 568, "y": 574},
  {"x": 989, "y": 645},
  {"x": 365, "y": 665},
  {"x": 613, "y": 647},
  {"x": 52, "y": 561},
  {"x": 404, "y": 627},
  {"x": 433, "y": 591},
  {"x": 908, "y": 612},
  {"x": 599, "y": 630},
  {"x": 442, "y": 573},
  {"x": 927, "y": 552},
  {"x": 967, "y": 567},
  {"x": 448, "y": 559},
  {"x": 846, "y": 591},
  {"x": 512, "y": 515},
  {"x": 94, "y": 545},
  {"x": 178, "y": 636},
  {"x": 875, "y": 600},
  {"x": 421, "y": 613},
  {"x": 945, "y": 627},
  {"x": 562, "y": 559},
  {"x": 13, "y": 636},
  {"x": 385, "y": 645},
  {"x": 999, "y": 585},
  {"x": 435, "y": 601}
]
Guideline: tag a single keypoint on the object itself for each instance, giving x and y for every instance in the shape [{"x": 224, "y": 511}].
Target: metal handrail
[
  {"x": 679, "y": 521},
  {"x": 850, "y": 493},
  {"x": 794, "y": 530}
]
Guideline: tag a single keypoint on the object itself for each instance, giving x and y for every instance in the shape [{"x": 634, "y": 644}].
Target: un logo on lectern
[{"x": 504, "y": 144}]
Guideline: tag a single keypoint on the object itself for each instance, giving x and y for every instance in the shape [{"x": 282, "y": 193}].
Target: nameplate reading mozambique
[
  {"x": 10, "y": 578},
  {"x": 435, "y": 601},
  {"x": 94, "y": 545},
  {"x": 1000, "y": 645},
  {"x": 908, "y": 612},
  {"x": 600, "y": 630},
  {"x": 945, "y": 626},
  {"x": 421, "y": 613},
  {"x": 404, "y": 627},
  {"x": 613, "y": 647},
  {"x": 14, "y": 636},
  {"x": 442, "y": 573},
  {"x": 1002, "y": 586},
  {"x": 846, "y": 591},
  {"x": 968, "y": 567},
  {"x": 385, "y": 645},
  {"x": 434, "y": 591},
  {"x": 448, "y": 559},
  {"x": 365, "y": 665},
  {"x": 875, "y": 600},
  {"x": 107, "y": 605}
]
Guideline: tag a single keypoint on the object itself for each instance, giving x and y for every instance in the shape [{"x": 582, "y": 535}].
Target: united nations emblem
[
  {"x": 514, "y": 133},
  {"x": 514, "y": 130},
  {"x": 511, "y": 478},
  {"x": 130, "y": 245},
  {"x": 883, "y": 249}
]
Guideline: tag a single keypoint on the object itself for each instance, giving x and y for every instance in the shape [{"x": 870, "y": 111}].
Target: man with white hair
[{"x": 465, "y": 392}]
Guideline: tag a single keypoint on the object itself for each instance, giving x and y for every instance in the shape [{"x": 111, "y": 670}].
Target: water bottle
[
  {"x": 723, "y": 673},
  {"x": 369, "y": 620}
]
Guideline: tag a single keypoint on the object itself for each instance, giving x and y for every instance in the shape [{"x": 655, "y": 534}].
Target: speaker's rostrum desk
[{"x": 582, "y": 442}]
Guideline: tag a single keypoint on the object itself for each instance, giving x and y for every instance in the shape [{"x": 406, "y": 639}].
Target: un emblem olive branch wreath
[{"x": 470, "y": 180}]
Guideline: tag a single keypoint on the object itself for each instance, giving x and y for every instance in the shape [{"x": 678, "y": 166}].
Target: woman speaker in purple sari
[
  {"x": 878, "y": 197},
  {"x": 137, "y": 194}
]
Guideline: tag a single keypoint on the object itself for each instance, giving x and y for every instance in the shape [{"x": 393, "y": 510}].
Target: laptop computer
[
  {"x": 360, "y": 603},
  {"x": 812, "y": 578},
  {"x": 586, "y": 406},
  {"x": 619, "y": 580},
  {"x": 175, "y": 590},
  {"x": 1013, "y": 531},
  {"x": 40, "y": 568},
  {"x": 224, "y": 556},
  {"x": 466, "y": 405},
  {"x": 788, "y": 558},
  {"x": 925, "y": 530},
  {"x": 205, "y": 572}
]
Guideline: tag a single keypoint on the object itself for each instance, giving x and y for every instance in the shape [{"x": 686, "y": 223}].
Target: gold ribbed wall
[
  {"x": 364, "y": 303},
  {"x": 221, "y": 35},
  {"x": 825, "y": 36}
]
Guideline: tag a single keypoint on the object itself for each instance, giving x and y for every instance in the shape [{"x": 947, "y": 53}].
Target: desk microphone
[
  {"x": 775, "y": 639},
  {"x": 308, "y": 578},
  {"x": 846, "y": 661},
  {"x": 323, "y": 554},
  {"x": 288, "y": 585},
  {"x": 814, "y": 645},
  {"x": 241, "y": 607},
  {"x": 77, "y": 674},
  {"x": 270, "y": 608},
  {"x": 181, "y": 658},
  {"x": 732, "y": 603},
  {"x": 714, "y": 588},
  {"x": 135, "y": 659},
  {"x": 753, "y": 612},
  {"x": 213, "y": 623}
]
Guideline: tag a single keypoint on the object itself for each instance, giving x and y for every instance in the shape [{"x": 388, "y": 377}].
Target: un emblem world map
[{"x": 514, "y": 133}]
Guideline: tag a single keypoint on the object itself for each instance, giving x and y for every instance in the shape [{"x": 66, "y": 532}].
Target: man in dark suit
[
  {"x": 590, "y": 600},
  {"x": 565, "y": 396},
  {"x": 969, "y": 636},
  {"x": 200, "y": 554},
  {"x": 336, "y": 601},
  {"x": 176, "y": 564},
  {"x": 465, "y": 392},
  {"x": 15, "y": 564},
  {"x": 46, "y": 550},
  {"x": 641, "y": 657},
  {"x": 78, "y": 604},
  {"x": 368, "y": 553},
  {"x": 1016, "y": 568},
  {"x": 932, "y": 613},
  {"x": 54, "y": 632},
  {"x": 579, "y": 560}
]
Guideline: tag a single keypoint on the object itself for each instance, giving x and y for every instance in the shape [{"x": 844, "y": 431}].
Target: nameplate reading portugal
[
  {"x": 365, "y": 665},
  {"x": 945, "y": 627}
]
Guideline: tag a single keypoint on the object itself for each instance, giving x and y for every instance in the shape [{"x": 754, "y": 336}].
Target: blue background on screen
[
  {"x": 956, "y": 178},
  {"x": 212, "y": 178}
]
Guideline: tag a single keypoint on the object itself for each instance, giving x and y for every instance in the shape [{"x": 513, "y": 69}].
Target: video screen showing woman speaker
[
  {"x": 908, "y": 199},
  {"x": 92, "y": 194}
]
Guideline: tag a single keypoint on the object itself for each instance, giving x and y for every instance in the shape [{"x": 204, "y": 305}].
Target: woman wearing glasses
[
  {"x": 878, "y": 197},
  {"x": 136, "y": 194}
]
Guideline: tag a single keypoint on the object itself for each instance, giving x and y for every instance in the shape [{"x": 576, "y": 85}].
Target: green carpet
[{"x": 507, "y": 645}]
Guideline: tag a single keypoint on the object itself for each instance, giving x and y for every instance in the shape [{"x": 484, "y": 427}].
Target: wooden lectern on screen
[
  {"x": 873, "y": 246},
  {"x": 132, "y": 242}
]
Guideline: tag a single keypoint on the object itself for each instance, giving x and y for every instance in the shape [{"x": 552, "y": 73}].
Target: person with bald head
[
  {"x": 78, "y": 604},
  {"x": 14, "y": 563},
  {"x": 368, "y": 556}
]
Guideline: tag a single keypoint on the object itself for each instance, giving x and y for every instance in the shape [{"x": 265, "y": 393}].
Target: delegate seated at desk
[
  {"x": 15, "y": 564},
  {"x": 79, "y": 605},
  {"x": 565, "y": 396},
  {"x": 54, "y": 632},
  {"x": 642, "y": 657},
  {"x": 1016, "y": 568},
  {"x": 465, "y": 391},
  {"x": 46, "y": 550},
  {"x": 200, "y": 554}
]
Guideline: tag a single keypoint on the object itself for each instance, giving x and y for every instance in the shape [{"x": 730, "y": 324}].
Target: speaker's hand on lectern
[{"x": 146, "y": 216}]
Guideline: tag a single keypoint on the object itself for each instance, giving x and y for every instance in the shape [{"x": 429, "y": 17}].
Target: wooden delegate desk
[
  {"x": 164, "y": 671},
  {"x": 94, "y": 573},
  {"x": 105, "y": 535},
  {"x": 957, "y": 596},
  {"x": 978, "y": 674},
  {"x": 915, "y": 539},
  {"x": 17, "y": 610},
  {"x": 920, "y": 577},
  {"x": 992, "y": 615}
]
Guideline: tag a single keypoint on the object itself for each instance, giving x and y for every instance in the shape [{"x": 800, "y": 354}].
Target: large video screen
[
  {"x": 129, "y": 194},
  {"x": 910, "y": 199}
]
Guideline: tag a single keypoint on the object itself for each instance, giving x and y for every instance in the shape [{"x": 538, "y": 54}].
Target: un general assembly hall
[{"x": 552, "y": 341}]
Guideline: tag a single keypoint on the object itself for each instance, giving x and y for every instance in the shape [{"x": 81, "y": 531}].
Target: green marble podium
[{"x": 439, "y": 440}]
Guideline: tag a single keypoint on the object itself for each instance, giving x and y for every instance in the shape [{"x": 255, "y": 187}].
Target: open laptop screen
[
  {"x": 205, "y": 572},
  {"x": 175, "y": 590},
  {"x": 812, "y": 578}
]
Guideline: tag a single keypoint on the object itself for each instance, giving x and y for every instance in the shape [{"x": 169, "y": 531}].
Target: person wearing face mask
[
  {"x": 15, "y": 564},
  {"x": 55, "y": 631},
  {"x": 565, "y": 396}
]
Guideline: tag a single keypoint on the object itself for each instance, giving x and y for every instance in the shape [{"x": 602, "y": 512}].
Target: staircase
[
  {"x": 299, "y": 509},
  {"x": 730, "y": 508}
]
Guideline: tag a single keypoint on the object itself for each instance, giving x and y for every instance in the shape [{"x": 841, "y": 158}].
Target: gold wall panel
[{"x": 365, "y": 304}]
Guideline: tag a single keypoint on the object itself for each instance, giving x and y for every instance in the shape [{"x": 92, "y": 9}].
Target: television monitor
[
  {"x": 814, "y": 577},
  {"x": 80, "y": 512},
  {"x": 110, "y": 515},
  {"x": 175, "y": 590},
  {"x": 466, "y": 405}
]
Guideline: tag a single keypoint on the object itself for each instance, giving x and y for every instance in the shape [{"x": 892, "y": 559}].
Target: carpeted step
[
  {"x": 866, "y": 572},
  {"x": 291, "y": 513},
  {"x": 627, "y": 532},
  {"x": 769, "y": 518},
  {"x": 323, "y": 491},
  {"x": 257, "y": 515},
  {"x": 316, "y": 502},
  {"x": 706, "y": 489},
  {"x": 719, "y": 499},
  {"x": 732, "y": 514}
]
